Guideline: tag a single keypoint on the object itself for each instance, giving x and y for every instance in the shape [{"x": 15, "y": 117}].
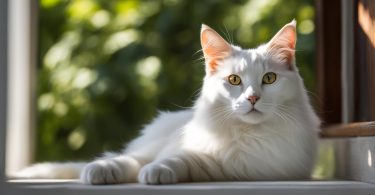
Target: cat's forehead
[
  {"x": 252, "y": 59},
  {"x": 245, "y": 61}
]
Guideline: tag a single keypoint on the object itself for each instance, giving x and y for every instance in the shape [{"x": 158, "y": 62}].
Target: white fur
[
  {"x": 219, "y": 139},
  {"x": 65, "y": 170}
]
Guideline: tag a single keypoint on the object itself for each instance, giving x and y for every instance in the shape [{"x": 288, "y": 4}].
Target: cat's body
[{"x": 252, "y": 121}]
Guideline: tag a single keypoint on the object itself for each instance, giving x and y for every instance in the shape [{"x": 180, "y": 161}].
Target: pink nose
[{"x": 253, "y": 99}]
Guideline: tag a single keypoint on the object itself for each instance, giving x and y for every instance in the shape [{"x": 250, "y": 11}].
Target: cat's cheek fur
[
  {"x": 218, "y": 89},
  {"x": 211, "y": 83},
  {"x": 283, "y": 90},
  {"x": 240, "y": 106},
  {"x": 233, "y": 91}
]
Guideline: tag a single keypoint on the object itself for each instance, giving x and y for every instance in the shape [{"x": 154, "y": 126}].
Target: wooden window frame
[
  {"x": 22, "y": 59},
  {"x": 364, "y": 60},
  {"x": 328, "y": 61},
  {"x": 3, "y": 84},
  {"x": 339, "y": 70}
]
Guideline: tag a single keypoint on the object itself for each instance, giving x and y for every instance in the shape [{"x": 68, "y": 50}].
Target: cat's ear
[
  {"x": 214, "y": 48},
  {"x": 282, "y": 45}
]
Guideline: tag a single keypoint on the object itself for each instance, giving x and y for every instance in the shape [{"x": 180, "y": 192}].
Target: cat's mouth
[
  {"x": 254, "y": 111},
  {"x": 252, "y": 116}
]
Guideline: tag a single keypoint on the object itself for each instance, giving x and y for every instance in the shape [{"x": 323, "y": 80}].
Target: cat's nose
[{"x": 253, "y": 99}]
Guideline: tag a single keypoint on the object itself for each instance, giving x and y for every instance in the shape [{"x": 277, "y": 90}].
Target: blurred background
[{"x": 106, "y": 67}]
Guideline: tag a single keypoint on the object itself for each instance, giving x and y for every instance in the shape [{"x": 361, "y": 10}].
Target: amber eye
[
  {"x": 234, "y": 79},
  {"x": 269, "y": 78}
]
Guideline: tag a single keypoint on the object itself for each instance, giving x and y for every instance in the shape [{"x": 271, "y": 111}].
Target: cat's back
[
  {"x": 160, "y": 132},
  {"x": 166, "y": 122}
]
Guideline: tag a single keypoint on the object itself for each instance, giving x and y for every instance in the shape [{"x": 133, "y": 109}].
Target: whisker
[
  {"x": 228, "y": 35},
  {"x": 221, "y": 114}
]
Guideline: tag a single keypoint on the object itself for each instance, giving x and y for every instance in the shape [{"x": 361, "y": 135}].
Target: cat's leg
[
  {"x": 124, "y": 167},
  {"x": 111, "y": 170},
  {"x": 121, "y": 167},
  {"x": 185, "y": 167}
]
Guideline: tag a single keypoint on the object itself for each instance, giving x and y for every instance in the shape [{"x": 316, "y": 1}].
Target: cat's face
[{"x": 253, "y": 84}]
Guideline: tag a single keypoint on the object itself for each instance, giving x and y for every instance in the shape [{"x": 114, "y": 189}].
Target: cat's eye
[
  {"x": 269, "y": 78},
  {"x": 234, "y": 79}
]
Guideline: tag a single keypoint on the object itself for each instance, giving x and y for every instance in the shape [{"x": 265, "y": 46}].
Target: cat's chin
[{"x": 253, "y": 117}]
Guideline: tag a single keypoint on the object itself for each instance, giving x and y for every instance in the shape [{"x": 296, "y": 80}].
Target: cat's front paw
[
  {"x": 157, "y": 174},
  {"x": 102, "y": 172}
]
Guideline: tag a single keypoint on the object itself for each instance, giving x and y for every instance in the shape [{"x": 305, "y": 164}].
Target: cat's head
[{"x": 251, "y": 84}]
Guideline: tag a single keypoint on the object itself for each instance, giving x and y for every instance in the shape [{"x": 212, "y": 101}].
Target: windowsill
[
  {"x": 256, "y": 187},
  {"x": 353, "y": 158}
]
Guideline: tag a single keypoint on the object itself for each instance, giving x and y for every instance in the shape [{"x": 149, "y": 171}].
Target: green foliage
[{"x": 106, "y": 67}]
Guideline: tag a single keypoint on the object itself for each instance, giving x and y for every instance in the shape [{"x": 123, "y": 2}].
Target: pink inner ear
[
  {"x": 214, "y": 48},
  {"x": 282, "y": 45}
]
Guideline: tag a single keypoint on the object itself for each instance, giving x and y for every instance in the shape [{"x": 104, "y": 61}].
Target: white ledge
[{"x": 57, "y": 187}]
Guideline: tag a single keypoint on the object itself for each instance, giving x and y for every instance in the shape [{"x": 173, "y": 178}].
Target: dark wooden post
[
  {"x": 364, "y": 60},
  {"x": 328, "y": 63}
]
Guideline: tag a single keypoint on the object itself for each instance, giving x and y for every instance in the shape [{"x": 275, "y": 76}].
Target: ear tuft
[
  {"x": 293, "y": 22},
  {"x": 214, "y": 48},
  {"x": 204, "y": 27},
  {"x": 282, "y": 45}
]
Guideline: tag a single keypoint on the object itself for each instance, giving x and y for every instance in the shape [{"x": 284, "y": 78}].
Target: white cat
[{"x": 252, "y": 121}]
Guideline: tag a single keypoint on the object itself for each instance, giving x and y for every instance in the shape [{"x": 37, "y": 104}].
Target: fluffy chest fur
[{"x": 262, "y": 152}]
